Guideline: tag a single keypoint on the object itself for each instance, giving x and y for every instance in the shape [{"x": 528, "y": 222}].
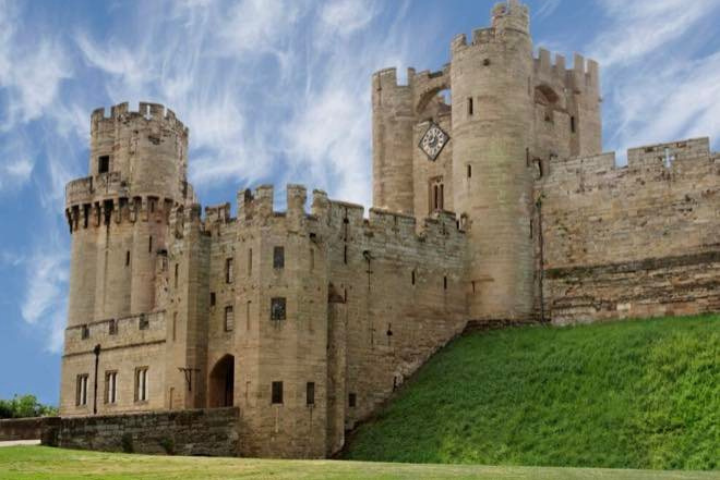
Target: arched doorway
[{"x": 222, "y": 383}]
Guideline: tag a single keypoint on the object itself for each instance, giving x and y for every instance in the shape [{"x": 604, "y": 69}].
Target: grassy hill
[
  {"x": 41, "y": 463},
  {"x": 641, "y": 394}
]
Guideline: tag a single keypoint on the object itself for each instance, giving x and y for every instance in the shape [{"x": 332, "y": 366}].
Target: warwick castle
[{"x": 273, "y": 333}]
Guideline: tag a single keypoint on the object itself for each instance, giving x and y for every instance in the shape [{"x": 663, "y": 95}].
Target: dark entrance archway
[{"x": 222, "y": 383}]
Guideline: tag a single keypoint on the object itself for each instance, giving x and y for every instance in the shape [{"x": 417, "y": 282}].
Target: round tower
[
  {"x": 118, "y": 215},
  {"x": 492, "y": 119}
]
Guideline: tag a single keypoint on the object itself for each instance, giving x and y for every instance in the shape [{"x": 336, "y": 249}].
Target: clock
[{"x": 433, "y": 142}]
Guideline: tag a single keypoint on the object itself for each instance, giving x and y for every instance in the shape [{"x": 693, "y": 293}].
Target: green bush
[{"x": 25, "y": 406}]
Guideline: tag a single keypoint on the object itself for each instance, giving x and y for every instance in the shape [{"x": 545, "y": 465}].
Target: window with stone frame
[
  {"x": 229, "y": 319},
  {"x": 85, "y": 332},
  {"x": 143, "y": 323},
  {"x": 103, "y": 164},
  {"x": 141, "y": 384},
  {"x": 352, "y": 400},
  {"x": 81, "y": 390},
  {"x": 113, "y": 327},
  {"x": 111, "y": 387},
  {"x": 278, "y": 308},
  {"x": 279, "y": 258}
]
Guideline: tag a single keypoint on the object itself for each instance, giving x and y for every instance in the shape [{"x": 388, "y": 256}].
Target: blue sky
[{"x": 276, "y": 91}]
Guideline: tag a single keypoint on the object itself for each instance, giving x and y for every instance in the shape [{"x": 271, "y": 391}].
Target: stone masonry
[{"x": 496, "y": 209}]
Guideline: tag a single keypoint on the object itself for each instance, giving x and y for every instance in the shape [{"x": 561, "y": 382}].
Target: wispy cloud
[
  {"x": 44, "y": 304},
  {"x": 547, "y": 8},
  {"x": 659, "y": 77}
]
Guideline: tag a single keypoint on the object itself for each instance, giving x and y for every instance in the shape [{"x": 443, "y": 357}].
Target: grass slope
[
  {"x": 36, "y": 463},
  {"x": 641, "y": 394}
]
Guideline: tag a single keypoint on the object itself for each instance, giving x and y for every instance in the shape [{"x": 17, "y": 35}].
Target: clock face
[{"x": 433, "y": 142}]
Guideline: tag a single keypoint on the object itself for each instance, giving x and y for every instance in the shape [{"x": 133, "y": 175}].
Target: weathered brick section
[
  {"x": 189, "y": 432},
  {"x": 636, "y": 241}
]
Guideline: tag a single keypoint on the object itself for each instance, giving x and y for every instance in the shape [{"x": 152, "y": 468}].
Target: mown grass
[
  {"x": 40, "y": 463},
  {"x": 640, "y": 394}
]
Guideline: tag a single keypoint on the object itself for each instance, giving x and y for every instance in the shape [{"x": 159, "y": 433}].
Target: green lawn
[
  {"x": 640, "y": 394},
  {"x": 26, "y": 463}
]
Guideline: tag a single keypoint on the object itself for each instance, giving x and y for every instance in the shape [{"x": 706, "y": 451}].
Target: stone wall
[
  {"x": 212, "y": 432},
  {"x": 634, "y": 241},
  {"x": 21, "y": 429}
]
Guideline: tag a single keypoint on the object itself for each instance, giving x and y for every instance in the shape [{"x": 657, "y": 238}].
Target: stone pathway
[{"x": 19, "y": 442}]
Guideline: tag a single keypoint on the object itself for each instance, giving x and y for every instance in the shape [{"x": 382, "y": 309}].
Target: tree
[{"x": 25, "y": 406}]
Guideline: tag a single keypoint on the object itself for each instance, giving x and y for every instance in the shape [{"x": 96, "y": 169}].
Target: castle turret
[
  {"x": 491, "y": 134},
  {"x": 393, "y": 122},
  {"x": 119, "y": 214}
]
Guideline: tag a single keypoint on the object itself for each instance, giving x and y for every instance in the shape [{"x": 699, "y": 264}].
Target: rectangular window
[
  {"x": 81, "y": 390},
  {"x": 311, "y": 393},
  {"x": 277, "y": 308},
  {"x": 345, "y": 255},
  {"x": 414, "y": 279},
  {"x": 150, "y": 244},
  {"x": 352, "y": 400},
  {"x": 127, "y": 258},
  {"x": 229, "y": 274},
  {"x": 113, "y": 329},
  {"x": 445, "y": 283},
  {"x": 229, "y": 319},
  {"x": 141, "y": 384},
  {"x": 279, "y": 257},
  {"x": 471, "y": 107},
  {"x": 111, "y": 387},
  {"x": 249, "y": 269},
  {"x": 85, "y": 332},
  {"x": 277, "y": 393},
  {"x": 469, "y": 171},
  {"x": 213, "y": 299},
  {"x": 177, "y": 274},
  {"x": 104, "y": 164},
  {"x": 572, "y": 124},
  {"x": 144, "y": 322}
]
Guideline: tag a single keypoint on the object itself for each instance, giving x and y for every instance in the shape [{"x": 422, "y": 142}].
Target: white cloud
[
  {"x": 31, "y": 69},
  {"x": 548, "y": 8},
  {"x": 44, "y": 304},
  {"x": 641, "y": 27},
  {"x": 345, "y": 17},
  {"x": 16, "y": 164}
]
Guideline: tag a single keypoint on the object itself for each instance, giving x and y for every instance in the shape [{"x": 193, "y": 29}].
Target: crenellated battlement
[
  {"x": 584, "y": 77},
  {"x": 147, "y": 112},
  {"x": 670, "y": 162},
  {"x": 92, "y": 212}
]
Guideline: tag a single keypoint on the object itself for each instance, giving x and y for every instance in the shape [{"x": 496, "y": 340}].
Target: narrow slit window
[
  {"x": 445, "y": 283},
  {"x": 85, "y": 332},
  {"x": 249, "y": 269},
  {"x": 310, "y": 393},
  {"x": 572, "y": 125},
  {"x": 177, "y": 274},
  {"x": 352, "y": 400},
  {"x": 127, "y": 258},
  {"x": 229, "y": 319},
  {"x": 277, "y": 393},
  {"x": 469, "y": 171},
  {"x": 345, "y": 255},
  {"x": 229, "y": 274},
  {"x": 174, "y": 327},
  {"x": 213, "y": 299},
  {"x": 414, "y": 279},
  {"x": 150, "y": 244},
  {"x": 470, "y": 107}
]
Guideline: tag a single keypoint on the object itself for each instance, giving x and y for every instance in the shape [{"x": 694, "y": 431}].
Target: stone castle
[{"x": 497, "y": 209}]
